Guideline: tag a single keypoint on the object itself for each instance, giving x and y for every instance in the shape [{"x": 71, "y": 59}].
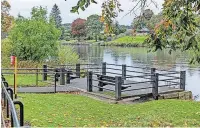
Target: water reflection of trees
[
  {"x": 93, "y": 54},
  {"x": 140, "y": 55}
]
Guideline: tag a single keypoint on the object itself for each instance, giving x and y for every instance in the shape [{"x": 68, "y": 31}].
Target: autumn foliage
[
  {"x": 78, "y": 27},
  {"x": 6, "y": 18}
]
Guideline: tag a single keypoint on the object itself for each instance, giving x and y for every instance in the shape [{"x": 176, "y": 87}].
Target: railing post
[
  {"x": 7, "y": 109},
  {"x": 118, "y": 87},
  {"x": 68, "y": 77},
  {"x": 21, "y": 112},
  {"x": 123, "y": 72},
  {"x": 3, "y": 78},
  {"x": 11, "y": 96},
  {"x": 100, "y": 84},
  {"x": 44, "y": 72},
  {"x": 153, "y": 71},
  {"x": 62, "y": 76},
  {"x": 89, "y": 81},
  {"x": 103, "y": 68},
  {"x": 37, "y": 77},
  {"x": 55, "y": 80},
  {"x": 78, "y": 70},
  {"x": 6, "y": 85},
  {"x": 182, "y": 79},
  {"x": 155, "y": 86}
]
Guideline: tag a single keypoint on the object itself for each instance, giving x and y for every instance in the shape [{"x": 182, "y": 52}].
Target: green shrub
[
  {"x": 6, "y": 51},
  {"x": 66, "y": 55}
]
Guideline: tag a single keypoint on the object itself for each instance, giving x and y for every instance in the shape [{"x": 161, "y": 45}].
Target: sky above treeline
[{"x": 24, "y": 8}]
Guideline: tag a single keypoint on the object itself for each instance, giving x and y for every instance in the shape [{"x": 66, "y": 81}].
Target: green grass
[
  {"x": 25, "y": 80},
  {"x": 52, "y": 110},
  {"x": 134, "y": 41}
]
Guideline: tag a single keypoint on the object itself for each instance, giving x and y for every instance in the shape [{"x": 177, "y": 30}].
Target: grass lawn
[
  {"x": 56, "y": 110},
  {"x": 25, "y": 80},
  {"x": 127, "y": 41}
]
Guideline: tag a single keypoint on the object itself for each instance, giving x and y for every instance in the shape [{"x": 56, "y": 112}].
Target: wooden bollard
[
  {"x": 44, "y": 73},
  {"x": 62, "y": 76},
  {"x": 123, "y": 72},
  {"x": 78, "y": 70},
  {"x": 155, "y": 86},
  {"x": 182, "y": 80},
  {"x": 89, "y": 81},
  {"x": 103, "y": 68},
  {"x": 118, "y": 87}
]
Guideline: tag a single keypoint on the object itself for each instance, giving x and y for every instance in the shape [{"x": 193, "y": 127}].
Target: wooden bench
[
  {"x": 71, "y": 75},
  {"x": 108, "y": 80}
]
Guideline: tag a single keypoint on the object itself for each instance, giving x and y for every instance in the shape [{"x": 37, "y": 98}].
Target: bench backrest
[{"x": 106, "y": 78}]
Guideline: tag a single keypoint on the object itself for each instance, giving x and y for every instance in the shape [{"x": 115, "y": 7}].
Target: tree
[
  {"x": 155, "y": 19},
  {"x": 6, "y": 18},
  {"x": 39, "y": 13},
  {"x": 179, "y": 28},
  {"x": 55, "y": 15},
  {"x": 94, "y": 26},
  {"x": 57, "y": 19},
  {"x": 34, "y": 38},
  {"x": 118, "y": 29},
  {"x": 144, "y": 20},
  {"x": 78, "y": 28},
  {"x": 140, "y": 22}
]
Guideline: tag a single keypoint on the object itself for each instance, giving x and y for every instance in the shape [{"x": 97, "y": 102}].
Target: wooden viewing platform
[{"x": 122, "y": 80}]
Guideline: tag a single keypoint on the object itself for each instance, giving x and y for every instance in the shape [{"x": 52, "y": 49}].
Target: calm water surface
[{"x": 141, "y": 57}]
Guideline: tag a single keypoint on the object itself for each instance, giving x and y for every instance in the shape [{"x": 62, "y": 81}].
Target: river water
[{"x": 141, "y": 57}]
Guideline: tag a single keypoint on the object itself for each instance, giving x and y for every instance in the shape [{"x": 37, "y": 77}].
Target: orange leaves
[
  {"x": 102, "y": 19},
  {"x": 6, "y": 19},
  {"x": 164, "y": 24},
  {"x": 168, "y": 2}
]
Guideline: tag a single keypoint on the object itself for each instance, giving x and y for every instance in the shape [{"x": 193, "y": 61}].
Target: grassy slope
[
  {"x": 74, "y": 110},
  {"x": 25, "y": 80},
  {"x": 127, "y": 41}
]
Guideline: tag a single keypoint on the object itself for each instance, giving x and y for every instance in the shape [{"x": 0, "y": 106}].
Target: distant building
[{"x": 144, "y": 30}]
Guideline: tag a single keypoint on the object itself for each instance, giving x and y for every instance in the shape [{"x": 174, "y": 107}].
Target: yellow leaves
[
  {"x": 102, "y": 19},
  {"x": 168, "y": 2},
  {"x": 163, "y": 24}
]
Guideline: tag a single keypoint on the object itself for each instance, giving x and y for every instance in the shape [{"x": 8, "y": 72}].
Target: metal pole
[
  {"x": 7, "y": 109},
  {"x": 118, "y": 87},
  {"x": 11, "y": 96},
  {"x": 15, "y": 85},
  {"x": 21, "y": 106},
  {"x": 155, "y": 87},
  {"x": 89, "y": 81},
  {"x": 103, "y": 68},
  {"x": 78, "y": 70},
  {"x": 182, "y": 79}
]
